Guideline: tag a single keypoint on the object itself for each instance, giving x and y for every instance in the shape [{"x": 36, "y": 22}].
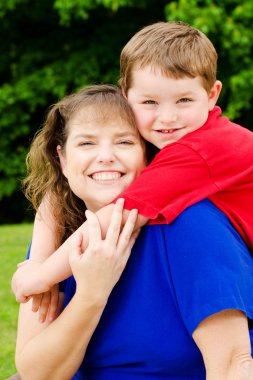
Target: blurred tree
[
  {"x": 50, "y": 48},
  {"x": 228, "y": 24}
]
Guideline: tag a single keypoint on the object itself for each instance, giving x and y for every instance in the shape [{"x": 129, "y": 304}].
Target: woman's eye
[
  {"x": 126, "y": 142},
  {"x": 149, "y": 102},
  {"x": 86, "y": 143}
]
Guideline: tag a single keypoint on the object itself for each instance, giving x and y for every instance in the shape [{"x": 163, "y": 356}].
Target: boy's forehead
[{"x": 150, "y": 80}]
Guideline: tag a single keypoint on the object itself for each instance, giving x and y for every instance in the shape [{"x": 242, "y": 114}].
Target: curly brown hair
[{"x": 45, "y": 177}]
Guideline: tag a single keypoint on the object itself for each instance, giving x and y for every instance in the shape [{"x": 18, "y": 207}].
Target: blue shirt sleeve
[{"x": 211, "y": 267}]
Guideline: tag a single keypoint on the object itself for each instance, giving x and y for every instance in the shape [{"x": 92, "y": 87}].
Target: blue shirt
[{"x": 177, "y": 275}]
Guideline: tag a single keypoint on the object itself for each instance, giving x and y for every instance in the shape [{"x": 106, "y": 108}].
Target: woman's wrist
[{"x": 87, "y": 299}]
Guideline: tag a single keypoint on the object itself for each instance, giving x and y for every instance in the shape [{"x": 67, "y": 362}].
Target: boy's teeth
[
  {"x": 167, "y": 130},
  {"x": 105, "y": 176}
]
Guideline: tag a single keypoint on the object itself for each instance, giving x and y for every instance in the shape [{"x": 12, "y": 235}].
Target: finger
[
  {"x": 127, "y": 251},
  {"x": 44, "y": 306},
  {"x": 127, "y": 231},
  {"x": 54, "y": 303},
  {"x": 133, "y": 238},
  {"x": 36, "y": 301},
  {"x": 21, "y": 298},
  {"x": 113, "y": 231},
  {"x": 94, "y": 229}
]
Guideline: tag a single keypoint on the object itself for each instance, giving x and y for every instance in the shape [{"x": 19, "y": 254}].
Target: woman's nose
[{"x": 106, "y": 155}]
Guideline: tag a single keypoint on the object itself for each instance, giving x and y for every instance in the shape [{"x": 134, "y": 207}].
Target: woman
[{"x": 180, "y": 293}]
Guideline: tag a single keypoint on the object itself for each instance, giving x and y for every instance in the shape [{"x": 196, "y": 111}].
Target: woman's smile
[
  {"x": 106, "y": 176},
  {"x": 100, "y": 160}
]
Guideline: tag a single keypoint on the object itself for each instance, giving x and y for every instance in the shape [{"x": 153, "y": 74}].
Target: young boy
[{"x": 168, "y": 74}]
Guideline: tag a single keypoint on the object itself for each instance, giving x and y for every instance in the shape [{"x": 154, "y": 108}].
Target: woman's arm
[
  {"x": 55, "y": 350},
  {"x": 224, "y": 342}
]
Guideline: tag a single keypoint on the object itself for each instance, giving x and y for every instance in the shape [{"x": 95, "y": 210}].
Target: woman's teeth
[{"x": 106, "y": 176}]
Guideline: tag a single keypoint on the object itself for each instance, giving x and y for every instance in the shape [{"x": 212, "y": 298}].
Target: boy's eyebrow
[
  {"x": 186, "y": 93},
  {"x": 152, "y": 95}
]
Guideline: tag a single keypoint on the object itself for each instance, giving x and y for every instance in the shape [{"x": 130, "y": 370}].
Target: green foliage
[
  {"x": 50, "y": 48},
  {"x": 228, "y": 24},
  {"x": 14, "y": 242},
  {"x": 80, "y": 9}
]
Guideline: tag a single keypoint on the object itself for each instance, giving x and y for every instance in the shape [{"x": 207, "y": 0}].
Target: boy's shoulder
[
  {"x": 218, "y": 139},
  {"x": 220, "y": 132}
]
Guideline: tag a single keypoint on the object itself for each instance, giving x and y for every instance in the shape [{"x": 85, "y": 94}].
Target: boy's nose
[{"x": 167, "y": 116}]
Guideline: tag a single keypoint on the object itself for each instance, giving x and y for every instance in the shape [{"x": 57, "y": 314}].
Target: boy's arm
[
  {"x": 44, "y": 233},
  {"x": 56, "y": 268},
  {"x": 60, "y": 259}
]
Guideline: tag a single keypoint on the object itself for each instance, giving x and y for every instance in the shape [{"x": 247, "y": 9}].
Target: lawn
[{"x": 14, "y": 240}]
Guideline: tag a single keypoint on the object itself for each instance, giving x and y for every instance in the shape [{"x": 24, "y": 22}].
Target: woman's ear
[
  {"x": 62, "y": 160},
  {"x": 123, "y": 93},
  {"x": 214, "y": 94}
]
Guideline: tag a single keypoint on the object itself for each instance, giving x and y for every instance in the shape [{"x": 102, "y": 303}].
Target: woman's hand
[{"x": 99, "y": 268}]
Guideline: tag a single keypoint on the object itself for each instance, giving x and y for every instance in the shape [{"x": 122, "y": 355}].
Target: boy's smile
[{"x": 166, "y": 109}]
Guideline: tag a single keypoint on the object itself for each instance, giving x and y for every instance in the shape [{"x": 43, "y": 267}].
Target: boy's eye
[{"x": 184, "y": 100}]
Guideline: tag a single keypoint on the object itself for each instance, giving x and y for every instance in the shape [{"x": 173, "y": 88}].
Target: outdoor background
[{"x": 52, "y": 47}]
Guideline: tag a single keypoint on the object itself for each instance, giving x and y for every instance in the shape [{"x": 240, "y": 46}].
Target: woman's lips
[{"x": 106, "y": 175}]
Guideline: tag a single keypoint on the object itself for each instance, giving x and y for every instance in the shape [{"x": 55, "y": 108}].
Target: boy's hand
[
  {"x": 26, "y": 281},
  {"x": 46, "y": 304}
]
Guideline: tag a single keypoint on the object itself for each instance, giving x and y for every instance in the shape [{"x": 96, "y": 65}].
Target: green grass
[{"x": 14, "y": 240}]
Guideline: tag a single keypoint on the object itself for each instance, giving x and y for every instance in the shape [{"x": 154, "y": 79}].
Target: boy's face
[{"x": 166, "y": 109}]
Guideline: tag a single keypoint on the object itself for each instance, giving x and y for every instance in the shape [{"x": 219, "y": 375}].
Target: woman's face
[{"x": 100, "y": 161}]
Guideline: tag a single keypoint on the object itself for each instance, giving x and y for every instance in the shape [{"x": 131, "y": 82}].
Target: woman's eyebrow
[
  {"x": 126, "y": 133},
  {"x": 84, "y": 135}
]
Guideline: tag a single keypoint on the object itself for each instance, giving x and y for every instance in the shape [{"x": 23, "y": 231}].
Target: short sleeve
[
  {"x": 28, "y": 251},
  {"x": 177, "y": 178},
  {"x": 211, "y": 267}
]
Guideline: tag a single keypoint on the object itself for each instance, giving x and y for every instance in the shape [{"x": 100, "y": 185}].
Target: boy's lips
[{"x": 167, "y": 131}]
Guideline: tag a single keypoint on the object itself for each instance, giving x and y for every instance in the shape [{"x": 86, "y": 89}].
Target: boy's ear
[
  {"x": 214, "y": 94},
  {"x": 62, "y": 160}
]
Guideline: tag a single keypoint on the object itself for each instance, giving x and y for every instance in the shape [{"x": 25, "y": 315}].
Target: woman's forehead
[{"x": 102, "y": 117}]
